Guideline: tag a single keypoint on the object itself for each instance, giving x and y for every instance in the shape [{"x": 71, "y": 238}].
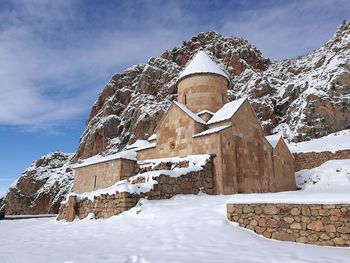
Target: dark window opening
[
  {"x": 185, "y": 99},
  {"x": 95, "y": 182}
]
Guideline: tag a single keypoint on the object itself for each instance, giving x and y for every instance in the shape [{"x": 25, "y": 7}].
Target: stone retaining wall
[
  {"x": 106, "y": 205},
  {"x": 304, "y": 223},
  {"x": 311, "y": 160}
]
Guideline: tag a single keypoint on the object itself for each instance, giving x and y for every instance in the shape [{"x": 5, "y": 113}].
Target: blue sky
[{"x": 56, "y": 56}]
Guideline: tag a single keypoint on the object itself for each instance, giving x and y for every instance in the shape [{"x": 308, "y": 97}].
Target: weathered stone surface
[
  {"x": 316, "y": 226},
  {"x": 330, "y": 229},
  {"x": 339, "y": 241},
  {"x": 288, "y": 219},
  {"x": 270, "y": 210},
  {"x": 295, "y": 226},
  {"x": 248, "y": 209},
  {"x": 68, "y": 212},
  {"x": 304, "y": 223},
  {"x": 262, "y": 221},
  {"x": 295, "y": 211}
]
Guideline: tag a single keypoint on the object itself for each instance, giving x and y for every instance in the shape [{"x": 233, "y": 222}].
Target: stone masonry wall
[
  {"x": 311, "y": 160},
  {"x": 304, "y": 223},
  {"x": 106, "y": 205}
]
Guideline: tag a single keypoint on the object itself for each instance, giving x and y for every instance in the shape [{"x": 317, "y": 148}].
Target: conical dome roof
[{"x": 202, "y": 64}]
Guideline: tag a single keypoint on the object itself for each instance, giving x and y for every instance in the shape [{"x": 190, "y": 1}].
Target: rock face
[
  {"x": 41, "y": 187},
  {"x": 306, "y": 97}
]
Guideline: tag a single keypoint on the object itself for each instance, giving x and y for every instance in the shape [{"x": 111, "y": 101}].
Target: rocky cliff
[
  {"x": 41, "y": 187},
  {"x": 305, "y": 97}
]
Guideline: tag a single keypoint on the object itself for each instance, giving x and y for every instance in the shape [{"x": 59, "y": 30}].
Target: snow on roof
[
  {"x": 128, "y": 154},
  {"x": 273, "y": 139},
  {"x": 189, "y": 112},
  {"x": 227, "y": 111},
  {"x": 205, "y": 111},
  {"x": 152, "y": 137},
  {"x": 202, "y": 63},
  {"x": 212, "y": 130},
  {"x": 138, "y": 144},
  {"x": 151, "y": 145}
]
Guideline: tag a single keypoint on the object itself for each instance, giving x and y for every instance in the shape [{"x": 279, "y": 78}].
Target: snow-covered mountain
[
  {"x": 306, "y": 97},
  {"x": 41, "y": 187}
]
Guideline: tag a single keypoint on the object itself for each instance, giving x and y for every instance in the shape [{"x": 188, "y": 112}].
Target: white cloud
[
  {"x": 56, "y": 56},
  {"x": 37, "y": 71}
]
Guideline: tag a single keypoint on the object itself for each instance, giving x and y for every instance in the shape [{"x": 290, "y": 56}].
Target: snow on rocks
[
  {"x": 121, "y": 187},
  {"x": 195, "y": 163},
  {"x": 42, "y": 186}
]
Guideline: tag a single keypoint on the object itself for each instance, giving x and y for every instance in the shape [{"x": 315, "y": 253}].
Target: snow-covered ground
[
  {"x": 332, "y": 142},
  {"x": 187, "y": 228},
  {"x": 331, "y": 176}
]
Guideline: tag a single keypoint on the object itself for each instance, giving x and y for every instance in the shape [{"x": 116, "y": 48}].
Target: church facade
[{"x": 202, "y": 121}]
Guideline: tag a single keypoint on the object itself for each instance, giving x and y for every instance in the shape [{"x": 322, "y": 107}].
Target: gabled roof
[
  {"x": 205, "y": 111},
  {"x": 184, "y": 109},
  {"x": 212, "y": 130},
  {"x": 227, "y": 111},
  {"x": 189, "y": 112},
  {"x": 201, "y": 63},
  {"x": 273, "y": 139},
  {"x": 152, "y": 137}
]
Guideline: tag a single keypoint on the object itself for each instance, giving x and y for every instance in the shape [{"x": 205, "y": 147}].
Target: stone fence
[
  {"x": 304, "y": 223},
  {"x": 311, "y": 160},
  {"x": 106, "y": 205}
]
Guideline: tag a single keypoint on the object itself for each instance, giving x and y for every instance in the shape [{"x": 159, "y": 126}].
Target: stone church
[{"x": 202, "y": 121}]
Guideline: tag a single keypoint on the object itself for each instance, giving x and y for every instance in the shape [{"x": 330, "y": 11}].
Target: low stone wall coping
[{"x": 293, "y": 197}]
